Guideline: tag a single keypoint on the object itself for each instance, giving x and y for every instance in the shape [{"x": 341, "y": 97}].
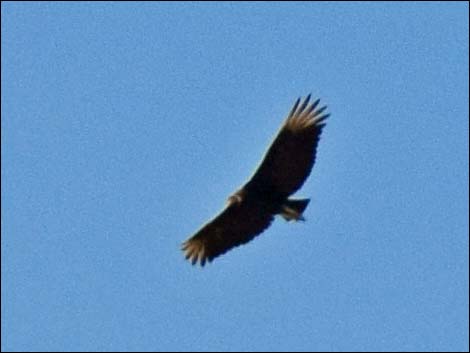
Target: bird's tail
[{"x": 293, "y": 209}]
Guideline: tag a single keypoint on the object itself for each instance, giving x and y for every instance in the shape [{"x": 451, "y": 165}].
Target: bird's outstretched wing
[
  {"x": 237, "y": 224},
  {"x": 290, "y": 158}
]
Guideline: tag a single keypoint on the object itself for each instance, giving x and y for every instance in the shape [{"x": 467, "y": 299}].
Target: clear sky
[{"x": 125, "y": 126}]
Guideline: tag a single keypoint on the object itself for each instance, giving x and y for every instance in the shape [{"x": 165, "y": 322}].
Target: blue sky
[{"x": 125, "y": 126}]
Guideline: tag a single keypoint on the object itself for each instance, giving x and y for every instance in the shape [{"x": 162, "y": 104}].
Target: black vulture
[{"x": 250, "y": 210}]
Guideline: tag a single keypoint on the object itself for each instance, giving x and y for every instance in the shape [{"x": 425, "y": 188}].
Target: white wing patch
[{"x": 305, "y": 116}]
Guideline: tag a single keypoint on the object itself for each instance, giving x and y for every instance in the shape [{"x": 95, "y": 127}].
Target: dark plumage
[{"x": 285, "y": 167}]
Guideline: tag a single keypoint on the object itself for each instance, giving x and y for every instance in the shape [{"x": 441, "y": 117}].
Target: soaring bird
[{"x": 283, "y": 170}]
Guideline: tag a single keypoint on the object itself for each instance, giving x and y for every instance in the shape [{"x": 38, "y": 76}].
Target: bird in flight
[{"x": 283, "y": 170}]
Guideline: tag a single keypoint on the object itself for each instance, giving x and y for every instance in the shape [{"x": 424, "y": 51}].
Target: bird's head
[{"x": 236, "y": 198}]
